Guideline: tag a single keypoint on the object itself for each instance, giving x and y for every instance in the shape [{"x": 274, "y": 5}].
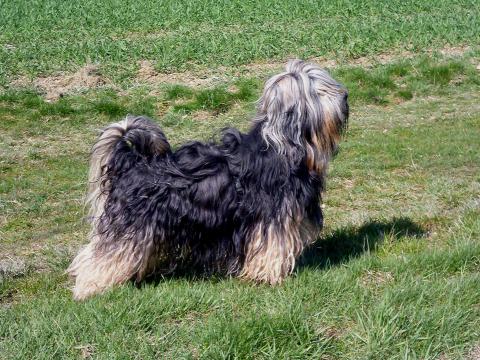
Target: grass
[
  {"x": 218, "y": 99},
  {"x": 46, "y": 36},
  {"x": 394, "y": 274},
  {"x": 381, "y": 84},
  {"x": 394, "y": 82}
]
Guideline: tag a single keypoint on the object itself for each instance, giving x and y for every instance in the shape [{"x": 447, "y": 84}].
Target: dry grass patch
[{"x": 56, "y": 86}]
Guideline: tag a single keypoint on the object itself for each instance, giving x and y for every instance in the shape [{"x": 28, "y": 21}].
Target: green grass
[
  {"x": 218, "y": 99},
  {"x": 394, "y": 274},
  {"x": 44, "y": 36},
  {"x": 381, "y": 84}
]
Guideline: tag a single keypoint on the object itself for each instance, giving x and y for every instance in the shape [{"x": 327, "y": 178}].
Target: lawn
[
  {"x": 38, "y": 37},
  {"x": 395, "y": 273}
]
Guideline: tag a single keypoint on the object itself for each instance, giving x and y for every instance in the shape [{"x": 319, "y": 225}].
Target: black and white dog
[{"x": 246, "y": 206}]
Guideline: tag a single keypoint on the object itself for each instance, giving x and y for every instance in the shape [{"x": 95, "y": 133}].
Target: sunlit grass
[
  {"x": 394, "y": 274},
  {"x": 45, "y": 36}
]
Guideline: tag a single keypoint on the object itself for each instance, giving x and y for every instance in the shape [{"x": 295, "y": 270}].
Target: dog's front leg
[{"x": 272, "y": 249}]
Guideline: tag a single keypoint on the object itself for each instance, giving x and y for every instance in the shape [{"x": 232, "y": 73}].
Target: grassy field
[
  {"x": 394, "y": 275},
  {"x": 38, "y": 37}
]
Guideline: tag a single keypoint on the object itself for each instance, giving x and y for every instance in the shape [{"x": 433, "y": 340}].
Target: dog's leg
[
  {"x": 97, "y": 268},
  {"x": 272, "y": 249}
]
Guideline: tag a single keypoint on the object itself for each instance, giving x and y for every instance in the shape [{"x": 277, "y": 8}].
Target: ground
[{"x": 394, "y": 274}]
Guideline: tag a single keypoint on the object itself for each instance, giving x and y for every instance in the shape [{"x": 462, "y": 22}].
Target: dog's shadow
[
  {"x": 345, "y": 243},
  {"x": 338, "y": 247}
]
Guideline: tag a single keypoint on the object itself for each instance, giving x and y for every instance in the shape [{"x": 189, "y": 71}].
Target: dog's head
[{"x": 303, "y": 112}]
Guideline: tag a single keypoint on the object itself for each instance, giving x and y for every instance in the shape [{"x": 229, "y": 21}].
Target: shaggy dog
[{"x": 246, "y": 206}]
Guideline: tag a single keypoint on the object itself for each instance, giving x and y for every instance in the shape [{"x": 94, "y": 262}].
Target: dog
[{"x": 246, "y": 206}]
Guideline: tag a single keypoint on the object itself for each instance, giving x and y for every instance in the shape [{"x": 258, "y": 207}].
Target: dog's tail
[
  {"x": 118, "y": 148},
  {"x": 121, "y": 147}
]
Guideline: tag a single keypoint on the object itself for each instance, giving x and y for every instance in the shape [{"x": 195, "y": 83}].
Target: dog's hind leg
[{"x": 97, "y": 268}]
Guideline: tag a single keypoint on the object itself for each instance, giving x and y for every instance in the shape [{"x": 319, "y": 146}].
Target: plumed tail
[{"x": 121, "y": 145}]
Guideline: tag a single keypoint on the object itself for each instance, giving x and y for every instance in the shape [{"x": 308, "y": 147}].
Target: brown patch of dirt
[
  {"x": 202, "y": 77},
  {"x": 260, "y": 68},
  {"x": 86, "y": 351},
  {"x": 333, "y": 333},
  {"x": 87, "y": 77},
  {"x": 201, "y": 115},
  {"x": 148, "y": 74},
  {"x": 349, "y": 183},
  {"x": 386, "y": 58},
  {"x": 474, "y": 353},
  {"x": 233, "y": 88},
  {"x": 55, "y": 86},
  {"x": 455, "y": 50},
  {"x": 21, "y": 82},
  {"x": 368, "y": 61},
  {"x": 146, "y": 71},
  {"x": 376, "y": 278}
]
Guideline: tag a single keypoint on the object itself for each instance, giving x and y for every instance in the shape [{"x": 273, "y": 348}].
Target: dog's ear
[
  {"x": 283, "y": 108},
  {"x": 302, "y": 112}
]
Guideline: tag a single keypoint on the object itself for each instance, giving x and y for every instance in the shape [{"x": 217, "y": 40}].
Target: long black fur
[{"x": 202, "y": 199}]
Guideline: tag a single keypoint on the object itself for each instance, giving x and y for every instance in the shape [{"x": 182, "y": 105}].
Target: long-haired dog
[{"x": 246, "y": 206}]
